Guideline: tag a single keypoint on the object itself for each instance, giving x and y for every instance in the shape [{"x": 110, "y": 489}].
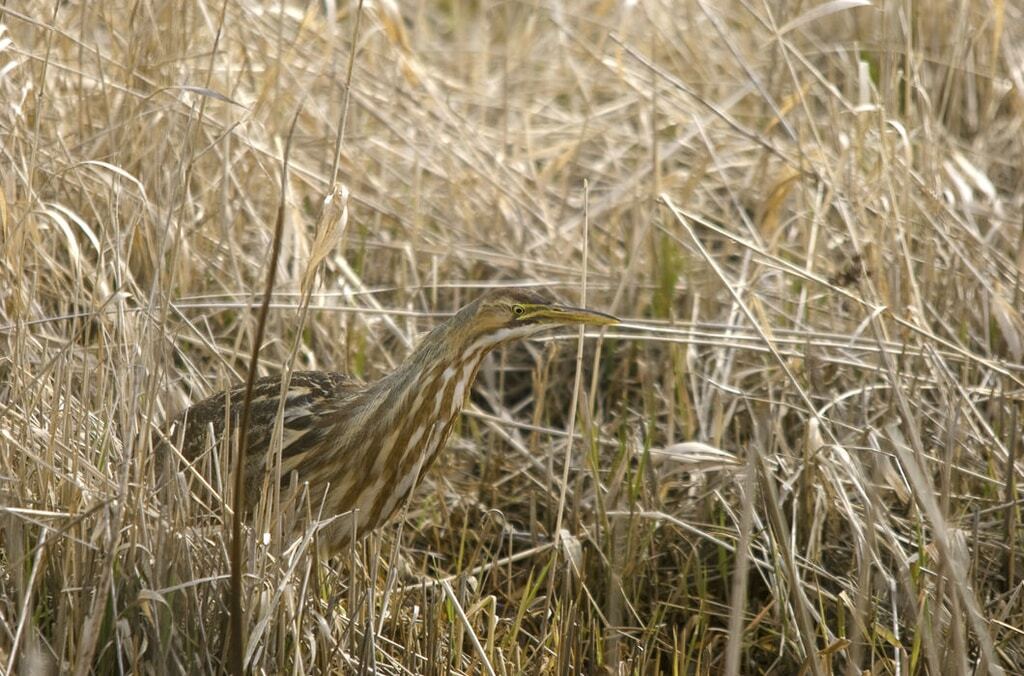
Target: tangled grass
[{"x": 800, "y": 453}]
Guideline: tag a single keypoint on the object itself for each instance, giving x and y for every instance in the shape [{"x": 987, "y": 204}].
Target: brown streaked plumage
[{"x": 361, "y": 448}]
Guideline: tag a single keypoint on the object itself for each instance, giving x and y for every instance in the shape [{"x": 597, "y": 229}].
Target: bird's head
[{"x": 502, "y": 315}]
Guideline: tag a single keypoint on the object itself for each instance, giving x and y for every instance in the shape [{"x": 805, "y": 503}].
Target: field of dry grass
[{"x": 799, "y": 453}]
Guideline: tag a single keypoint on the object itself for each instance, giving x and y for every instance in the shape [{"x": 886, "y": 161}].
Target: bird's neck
[
  {"x": 434, "y": 379},
  {"x": 430, "y": 387}
]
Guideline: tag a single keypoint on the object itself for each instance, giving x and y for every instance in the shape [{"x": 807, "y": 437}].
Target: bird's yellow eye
[{"x": 518, "y": 310}]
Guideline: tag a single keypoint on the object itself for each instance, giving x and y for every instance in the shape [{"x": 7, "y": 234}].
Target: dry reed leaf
[
  {"x": 114, "y": 169},
  {"x": 771, "y": 208},
  {"x": 207, "y": 93},
  {"x": 815, "y": 440},
  {"x": 960, "y": 184},
  {"x": 1011, "y": 325},
  {"x": 838, "y": 645},
  {"x": 3, "y": 214},
  {"x": 976, "y": 176},
  {"x": 388, "y": 16},
  {"x": 958, "y": 549},
  {"x": 572, "y": 549},
  {"x": 787, "y": 104},
  {"x": 892, "y": 478},
  {"x": 606, "y": 7},
  {"x": 74, "y": 251},
  {"x": 146, "y": 598},
  {"x": 698, "y": 455},
  {"x": 821, "y": 11},
  {"x": 330, "y": 228}
]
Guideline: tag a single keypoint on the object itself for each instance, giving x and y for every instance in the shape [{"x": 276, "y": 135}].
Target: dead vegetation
[{"x": 800, "y": 453}]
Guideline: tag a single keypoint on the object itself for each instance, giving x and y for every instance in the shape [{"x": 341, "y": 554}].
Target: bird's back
[{"x": 312, "y": 396}]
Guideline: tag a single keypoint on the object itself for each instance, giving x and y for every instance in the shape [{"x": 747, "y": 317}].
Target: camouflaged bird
[{"x": 362, "y": 448}]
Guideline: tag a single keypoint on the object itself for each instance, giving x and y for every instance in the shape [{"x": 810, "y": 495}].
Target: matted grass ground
[{"x": 800, "y": 453}]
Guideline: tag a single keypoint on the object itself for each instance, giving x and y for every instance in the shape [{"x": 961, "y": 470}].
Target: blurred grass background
[{"x": 799, "y": 454}]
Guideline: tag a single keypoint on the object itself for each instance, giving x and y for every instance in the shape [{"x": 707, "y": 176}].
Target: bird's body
[{"x": 362, "y": 448}]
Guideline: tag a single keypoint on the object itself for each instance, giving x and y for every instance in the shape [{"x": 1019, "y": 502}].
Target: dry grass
[{"x": 800, "y": 454}]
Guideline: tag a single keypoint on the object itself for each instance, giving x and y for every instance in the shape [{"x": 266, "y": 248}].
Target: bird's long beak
[{"x": 562, "y": 314}]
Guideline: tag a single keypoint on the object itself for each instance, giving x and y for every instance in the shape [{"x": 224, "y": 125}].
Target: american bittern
[{"x": 361, "y": 448}]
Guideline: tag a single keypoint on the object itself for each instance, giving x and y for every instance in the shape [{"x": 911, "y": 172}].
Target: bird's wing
[{"x": 310, "y": 395}]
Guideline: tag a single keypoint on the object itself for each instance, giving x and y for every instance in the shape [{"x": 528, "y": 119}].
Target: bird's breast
[{"x": 415, "y": 436}]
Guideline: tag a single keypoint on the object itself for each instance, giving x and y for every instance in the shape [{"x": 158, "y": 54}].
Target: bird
[{"x": 362, "y": 448}]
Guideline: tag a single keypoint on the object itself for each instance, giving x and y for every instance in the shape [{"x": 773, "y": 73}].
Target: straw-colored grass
[{"x": 800, "y": 453}]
